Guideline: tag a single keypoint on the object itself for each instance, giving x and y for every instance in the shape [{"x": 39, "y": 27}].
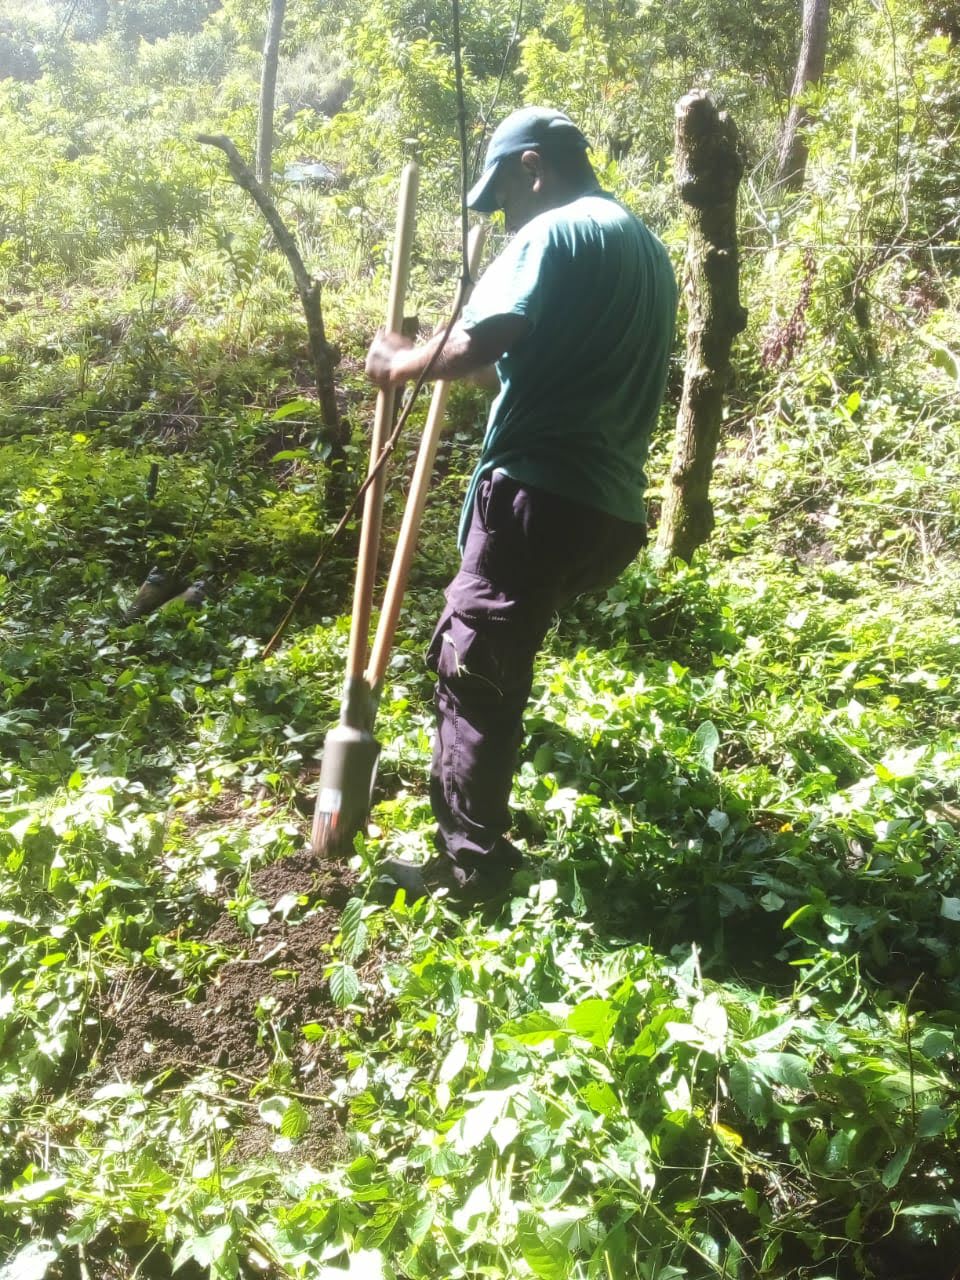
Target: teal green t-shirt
[{"x": 580, "y": 394}]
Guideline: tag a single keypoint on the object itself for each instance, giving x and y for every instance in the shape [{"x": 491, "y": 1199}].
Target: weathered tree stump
[{"x": 708, "y": 168}]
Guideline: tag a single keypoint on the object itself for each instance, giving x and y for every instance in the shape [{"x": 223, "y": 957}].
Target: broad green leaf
[
  {"x": 941, "y": 356},
  {"x": 936, "y": 1043},
  {"x": 474, "y": 1126},
  {"x": 423, "y": 1220},
  {"x": 837, "y": 1156},
  {"x": 353, "y": 930},
  {"x": 504, "y": 1132},
  {"x": 296, "y": 1120},
  {"x": 258, "y": 913},
  {"x": 31, "y": 1263},
  {"x": 951, "y": 1210},
  {"x": 783, "y": 1068},
  {"x": 707, "y": 740},
  {"x": 601, "y": 1098},
  {"x": 477, "y": 1204},
  {"x": 289, "y": 455},
  {"x": 534, "y": 1028},
  {"x": 380, "y": 1227},
  {"x": 35, "y": 1192},
  {"x": 454, "y": 1062},
  {"x": 801, "y": 913},
  {"x": 593, "y": 1019},
  {"x": 730, "y": 899},
  {"x": 633, "y": 1156},
  {"x": 750, "y": 1091},
  {"x": 899, "y": 764},
  {"x": 292, "y": 407},
  {"x": 710, "y": 1019},
  {"x": 286, "y": 903},
  {"x": 573, "y": 1226},
  {"x": 934, "y": 1120},
  {"x": 550, "y": 1189},
  {"x": 852, "y": 1223},
  {"x": 206, "y": 1249},
  {"x": 729, "y": 1137},
  {"x": 467, "y": 1012},
  {"x": 893, "y": 1171},
  {"x": 547, "y": 1257},
  {"x": 344, "y": 985},
  {"x": 272, "y": 1111},
  {"x": 718, "y": 821}
]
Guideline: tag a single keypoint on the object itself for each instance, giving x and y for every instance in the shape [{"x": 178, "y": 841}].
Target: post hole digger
[{"x": 350, "y": 750}]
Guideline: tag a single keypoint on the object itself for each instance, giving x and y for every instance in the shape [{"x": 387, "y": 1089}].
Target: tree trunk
[
  {"x": 709, "y": 168},
  {"x": 268, "y": 93},
  {"x": 792, "y": 160},
  {"x": 322, "y": 355}
]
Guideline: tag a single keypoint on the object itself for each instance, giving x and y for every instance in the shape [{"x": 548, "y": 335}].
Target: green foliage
[{"x": 713, "y": 1033}]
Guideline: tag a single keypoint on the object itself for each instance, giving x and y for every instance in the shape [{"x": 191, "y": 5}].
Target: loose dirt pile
[{"x": 271, "y": 986}]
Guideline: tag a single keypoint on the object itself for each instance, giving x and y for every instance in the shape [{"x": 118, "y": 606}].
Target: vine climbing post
[{"x": 708, "y": 167}]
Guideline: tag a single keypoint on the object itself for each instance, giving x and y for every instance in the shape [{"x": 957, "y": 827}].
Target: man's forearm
[
  {"x": 392, "y": 360},
  {"x": 461, "y": 356}
]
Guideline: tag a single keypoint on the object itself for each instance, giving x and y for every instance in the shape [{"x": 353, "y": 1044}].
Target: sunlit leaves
[
  {"x": 691, "y": 1044},
  {"x": 344, "y": 984}
]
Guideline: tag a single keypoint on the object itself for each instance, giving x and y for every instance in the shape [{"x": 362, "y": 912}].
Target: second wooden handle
[
  {"x": 416, "y": 501},
  {"x": 383, "y": 419}
]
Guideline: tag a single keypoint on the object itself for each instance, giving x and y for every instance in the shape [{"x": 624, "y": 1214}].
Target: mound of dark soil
[{"x": 271, "y": 986}]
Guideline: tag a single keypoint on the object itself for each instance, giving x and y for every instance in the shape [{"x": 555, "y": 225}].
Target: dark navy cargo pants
[{"x": 527, "y": 553}]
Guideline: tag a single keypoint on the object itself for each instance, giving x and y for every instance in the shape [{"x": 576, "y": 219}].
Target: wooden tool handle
[
  {"x": 383, "y": 419},
  {"x": 416, "y": 501}
]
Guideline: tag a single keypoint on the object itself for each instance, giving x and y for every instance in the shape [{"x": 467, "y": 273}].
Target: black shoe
[
  {"x": 396, "y": 874},
  {"x": 485, "y": 884}
]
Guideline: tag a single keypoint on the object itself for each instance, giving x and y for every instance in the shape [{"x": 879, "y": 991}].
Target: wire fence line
[
  {"x": 172, "y": 415},
  {"x": 890, "y": 246}
]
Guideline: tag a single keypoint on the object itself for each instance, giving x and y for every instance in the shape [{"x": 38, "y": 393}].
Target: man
[{"x": 578, "y": 314}]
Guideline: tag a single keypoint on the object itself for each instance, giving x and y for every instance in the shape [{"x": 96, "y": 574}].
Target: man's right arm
[{"x": 393, "y": 359}]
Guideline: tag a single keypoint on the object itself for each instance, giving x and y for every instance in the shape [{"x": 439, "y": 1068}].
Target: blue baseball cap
[{"x": 529, "y": 129}]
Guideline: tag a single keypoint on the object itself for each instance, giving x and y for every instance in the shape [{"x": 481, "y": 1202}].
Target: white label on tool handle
[{"x": 330, "y": 800}]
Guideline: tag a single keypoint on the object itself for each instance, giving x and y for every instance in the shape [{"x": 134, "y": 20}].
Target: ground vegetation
[{"x": 714, "y": 1031}]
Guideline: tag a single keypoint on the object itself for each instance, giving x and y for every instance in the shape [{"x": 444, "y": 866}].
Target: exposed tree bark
[
  {"x": 792, "y": 159},
  {"x": 709, "y": 167},
  {"x": 322, "y": 355},
  {"x": 268, "y": 92}
]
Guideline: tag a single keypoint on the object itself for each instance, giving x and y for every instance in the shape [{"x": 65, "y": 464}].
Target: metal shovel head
[{"x": 346, "y": 782}]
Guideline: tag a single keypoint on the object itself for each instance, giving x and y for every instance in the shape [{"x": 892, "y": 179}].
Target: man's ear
[{"x": 532, "y": 164}]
